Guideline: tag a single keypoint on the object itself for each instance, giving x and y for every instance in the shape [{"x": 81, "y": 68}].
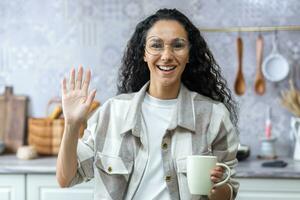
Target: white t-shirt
[{"x": 156, "y": 116}]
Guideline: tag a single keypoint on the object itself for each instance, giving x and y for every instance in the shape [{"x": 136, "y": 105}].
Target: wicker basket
[{"x": 45, "y": 134}]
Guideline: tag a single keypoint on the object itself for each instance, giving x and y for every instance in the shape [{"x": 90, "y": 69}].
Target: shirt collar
[
  {"x": 183, "y": 116},
  {"x": 133, "y": 116}
]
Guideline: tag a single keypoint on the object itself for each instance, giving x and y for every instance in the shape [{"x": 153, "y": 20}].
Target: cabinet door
[
  {"x": 45, "y": 187},
  {"x": 269, "y": 189},
  {"x": 12, "y": 187}
]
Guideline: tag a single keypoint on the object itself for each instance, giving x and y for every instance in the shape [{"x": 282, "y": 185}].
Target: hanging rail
[{"x": 251, "y": 29}]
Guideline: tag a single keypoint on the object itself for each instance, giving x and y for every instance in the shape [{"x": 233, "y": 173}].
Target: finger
[
  {"x": 214, "y": 179},
  {"x": 63, "y": 86},
  {"x": 213, "y": 190},
  {"x": 219, "y": 169},
  {"x": 217, "y": 174},
  {"x": 86, "y": 81},
  {"x": 79, "y": 78},
  {"x": 91, "y": 97},
  {"x": 72, "y": 79}
]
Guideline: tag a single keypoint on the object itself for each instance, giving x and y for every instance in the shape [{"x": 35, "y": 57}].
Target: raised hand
[{"x": 76, "y": 99}]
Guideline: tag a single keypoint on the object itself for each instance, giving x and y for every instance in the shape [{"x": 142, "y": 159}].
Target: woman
[{"x": 174, "y": 103}]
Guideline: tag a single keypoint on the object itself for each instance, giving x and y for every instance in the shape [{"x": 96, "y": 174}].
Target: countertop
[
  {"x": 253, "y": 169},
  {"x": 9, "y": 164}
]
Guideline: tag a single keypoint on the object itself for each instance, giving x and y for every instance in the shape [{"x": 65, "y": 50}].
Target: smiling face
[{"x": 166, "y": 53}]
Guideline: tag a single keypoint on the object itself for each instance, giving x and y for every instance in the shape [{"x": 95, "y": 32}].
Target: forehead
[{"x": 167, "y": 30}]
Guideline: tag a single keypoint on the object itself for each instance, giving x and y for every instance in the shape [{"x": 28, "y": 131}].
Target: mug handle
[{"x": 228, "y": 175}]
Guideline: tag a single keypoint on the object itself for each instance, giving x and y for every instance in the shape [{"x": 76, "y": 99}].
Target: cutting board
[{"x": 13, "y": 110}]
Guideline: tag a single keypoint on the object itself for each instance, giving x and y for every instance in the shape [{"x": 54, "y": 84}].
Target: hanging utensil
[
  {"x": 259, "y": 84},
  {"x": 295, "y": 66},
  {"x": 239, "y": 85},
  {"x": 275, "y": 67}
]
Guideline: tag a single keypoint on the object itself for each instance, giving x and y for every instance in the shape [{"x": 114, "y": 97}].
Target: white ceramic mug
[{"x": 198, "y": 173}]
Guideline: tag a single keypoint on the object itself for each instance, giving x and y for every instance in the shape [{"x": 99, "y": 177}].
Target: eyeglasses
[{"x": 156, "y": 46}]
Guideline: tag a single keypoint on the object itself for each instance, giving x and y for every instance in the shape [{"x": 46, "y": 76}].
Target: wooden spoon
[
  {"x": 259, "y": 85},
  {"x": 239, "y": 84}
]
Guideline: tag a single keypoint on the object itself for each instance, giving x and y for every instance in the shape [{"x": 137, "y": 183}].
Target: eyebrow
[{"x": 155, "y": 38}]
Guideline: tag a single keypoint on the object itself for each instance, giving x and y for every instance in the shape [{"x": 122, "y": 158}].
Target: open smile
[{"x": 165, "y": 68}]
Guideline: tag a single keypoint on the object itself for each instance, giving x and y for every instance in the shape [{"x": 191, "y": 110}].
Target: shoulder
[
  {"x": 216, "y": 107},
  {"x": 215, "y": 110},
  {"x": 114, "y": 106},
  {"x": 116, "y": 100}
]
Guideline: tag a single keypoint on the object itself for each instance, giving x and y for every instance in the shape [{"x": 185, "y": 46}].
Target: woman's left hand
[
  {"x": 216, "y": 176},
  {"x": 222, "y": 192}
]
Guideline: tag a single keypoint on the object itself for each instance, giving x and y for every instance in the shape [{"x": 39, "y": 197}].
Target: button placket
[
  {"x": 109, "y": 169},
  {"x": 168, "y": 178},
  {"x": 165, "y": 143},
  {"x": 164, "y": 146}
]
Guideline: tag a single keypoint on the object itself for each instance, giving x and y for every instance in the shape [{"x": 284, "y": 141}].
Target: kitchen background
[{"x": 41, "y": 40}]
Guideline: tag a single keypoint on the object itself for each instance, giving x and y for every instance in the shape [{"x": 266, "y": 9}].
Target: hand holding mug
[
  {"x": 204, "y": 173},
  {"x": 216, "y": 176}
]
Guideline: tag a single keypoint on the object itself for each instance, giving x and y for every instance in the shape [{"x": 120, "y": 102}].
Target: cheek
[
  {"x": 184, "y": 60},
  {"x": 150, "y": 60}
]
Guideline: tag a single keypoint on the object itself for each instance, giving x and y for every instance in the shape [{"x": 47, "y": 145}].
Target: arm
[
  {"x": 224, "y": 144},
  {"x": 76, "y": 102}
]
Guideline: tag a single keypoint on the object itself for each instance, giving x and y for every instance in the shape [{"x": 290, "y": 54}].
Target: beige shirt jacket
[{"x": 114, "y": 149}]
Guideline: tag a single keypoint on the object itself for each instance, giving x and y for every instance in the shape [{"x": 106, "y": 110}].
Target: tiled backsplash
[{"x": 41, "y": 40}]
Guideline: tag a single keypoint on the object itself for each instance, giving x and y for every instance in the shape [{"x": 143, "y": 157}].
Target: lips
[{"x": 166, "y": 68}]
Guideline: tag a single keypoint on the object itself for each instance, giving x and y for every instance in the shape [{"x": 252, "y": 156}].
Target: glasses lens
[{"x": 156, "y": 46}]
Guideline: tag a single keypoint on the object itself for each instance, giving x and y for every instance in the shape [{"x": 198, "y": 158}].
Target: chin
[{"x": 168, "y": 82}]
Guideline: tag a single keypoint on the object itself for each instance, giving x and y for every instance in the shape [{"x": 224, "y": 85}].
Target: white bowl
[{"x": 275, "y": 68}]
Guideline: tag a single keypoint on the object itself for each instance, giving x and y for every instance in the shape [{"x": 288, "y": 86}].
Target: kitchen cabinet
[
  {"x": 40, "y": 187},
  {"x": 269, "y": 189},
  {"x": 35, "y": 180},
  {"x": 12, "y": 187},
  {"x": 45, "y": 187}
]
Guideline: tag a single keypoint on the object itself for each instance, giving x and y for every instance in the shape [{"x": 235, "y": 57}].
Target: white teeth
[{"x": 166, "y": 68}]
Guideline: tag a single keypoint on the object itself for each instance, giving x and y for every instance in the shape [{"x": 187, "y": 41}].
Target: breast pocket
[
  {"x": 113, "y": 165},
  {"x": 114, "y": 172},
  {"x": 182, "y": 178}
]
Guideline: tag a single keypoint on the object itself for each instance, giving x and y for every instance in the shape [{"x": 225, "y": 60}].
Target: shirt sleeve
[
  {"x": 224, "y": 142},
  {"x": 85, "y": 152}
]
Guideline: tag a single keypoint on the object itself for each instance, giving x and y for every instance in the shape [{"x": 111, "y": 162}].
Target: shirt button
[
  {"x": 168, "y": 178},
  {"x": 165, "y": 146},
  {"x": 109, "y": 169}
]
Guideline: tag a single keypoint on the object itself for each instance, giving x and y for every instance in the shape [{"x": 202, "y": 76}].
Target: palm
[{"x": 76, "y": 100}]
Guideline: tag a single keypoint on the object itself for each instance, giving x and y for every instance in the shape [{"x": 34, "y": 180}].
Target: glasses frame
[{"x": 172, "y": 50}]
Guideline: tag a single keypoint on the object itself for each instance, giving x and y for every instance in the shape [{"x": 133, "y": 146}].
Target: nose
[{"x": 167, "y": 54}]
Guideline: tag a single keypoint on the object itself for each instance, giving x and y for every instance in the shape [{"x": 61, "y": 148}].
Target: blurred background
[{"x": 41, "y": 40}]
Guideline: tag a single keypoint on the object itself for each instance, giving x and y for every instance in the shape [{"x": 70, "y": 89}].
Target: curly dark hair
[{"x": 202, "y": 74}]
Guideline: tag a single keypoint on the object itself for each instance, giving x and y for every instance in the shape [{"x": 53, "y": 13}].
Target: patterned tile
[{"x": 41, "y": 40}]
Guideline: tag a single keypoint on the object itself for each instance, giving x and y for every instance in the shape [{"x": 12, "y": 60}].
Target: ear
[{"x": 145, "y": 58}]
